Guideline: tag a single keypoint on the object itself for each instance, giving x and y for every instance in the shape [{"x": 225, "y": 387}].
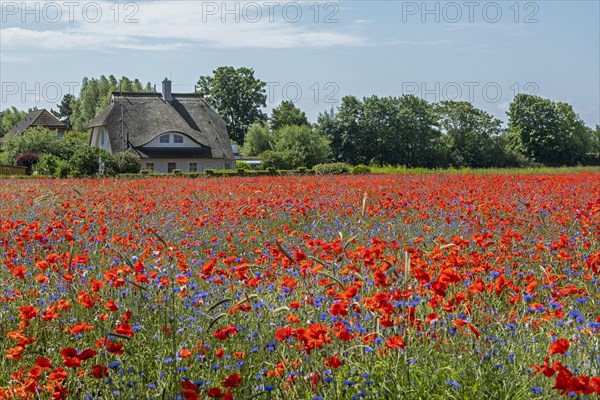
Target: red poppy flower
[
  {"x": 232, "y": 381},
  {"x": 560, "y": 346}
]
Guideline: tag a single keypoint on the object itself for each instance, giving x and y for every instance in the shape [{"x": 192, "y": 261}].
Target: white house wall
[
  {"x": 162, "y": 165},
  {"x": 100, "y": 138}
]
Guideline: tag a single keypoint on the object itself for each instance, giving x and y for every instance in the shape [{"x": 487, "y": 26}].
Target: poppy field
[{"x": 303, "y": 287}]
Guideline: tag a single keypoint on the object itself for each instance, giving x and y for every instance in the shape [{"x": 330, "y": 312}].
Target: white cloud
[{"x": 174, "y": 25}]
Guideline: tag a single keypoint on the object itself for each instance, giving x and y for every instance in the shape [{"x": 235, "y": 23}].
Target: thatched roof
[
  {"x": 41, "y": 118},
  {"x": 146, "y": 116}
]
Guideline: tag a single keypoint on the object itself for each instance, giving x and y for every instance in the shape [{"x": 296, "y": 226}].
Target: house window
[
  {"x": 193, "y": 167},
  {"x": 150, "y": 166},
  {"x": 177, "y": 139},
  {"x": 164, "y": 139},
  {"x": 171, "y": 166},
  {"x": 227, "y": 165}
]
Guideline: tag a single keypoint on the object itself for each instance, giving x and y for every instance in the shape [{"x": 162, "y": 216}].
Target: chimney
[{"x": 166, "y": 90}]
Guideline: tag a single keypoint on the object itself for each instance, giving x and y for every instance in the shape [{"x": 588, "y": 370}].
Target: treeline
[
  {"x": 412, "y": 132},
  {"x": 404, "y": 130}
]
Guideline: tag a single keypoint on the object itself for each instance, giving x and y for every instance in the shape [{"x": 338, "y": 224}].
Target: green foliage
[
  {"x": 65, "y": 109},
  {"x": 332, "y": 168},
  {"x": 272, "y": 159},
  {"x": 95, "y": 97},
  {"x": 177, "y": 172},
  {"x": 258, "y": 139},
  {"x": 127, "y": 163},
  {"x": 547, "y": 132},
  {"x": 37, "y": 140},
  {"x": 9, "y": 119},
  {"x": 361, "y": 169},
  {"x": 593, "y": 155},
  {"x": 237, "y": 96},
  {"x": 387, "y": 130},
  {"x": 240, "y": 165},
  {"x": 470, "y": 134},
  {"x": 302, "y": 146},
  {"x": 47, "y": 165},
  {"x": 287, "y": 114},
  {"x": 91, "y": 161}
]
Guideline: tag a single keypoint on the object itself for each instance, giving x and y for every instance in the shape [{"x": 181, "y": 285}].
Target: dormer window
[
  {"x": 164, "y": 139},
  {"x": 177, "y": 139}
]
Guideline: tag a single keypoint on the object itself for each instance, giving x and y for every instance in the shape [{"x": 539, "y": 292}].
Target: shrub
[
  {"x": 127, "y": 163},
  {"x": 273, "y": 159},
  {"x": 47, "y": 165},
  {"x": 211, "y": 172},
  {"x": 177, "y": 172},
  {"x": 332, "y": 168},
  {"x": 361, "y": 169},
  {"x": 63, "y": 169},
  {"x": 242, "y": 165},
  {"x": 89, "y": 161},
  {"x": 145, "y": 172},
  {"x": 271, "y": 170},
  {"x": 27, "y": 159}
]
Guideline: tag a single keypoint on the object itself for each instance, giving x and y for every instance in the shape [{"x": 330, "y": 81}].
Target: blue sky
[{"x": 311, "y": 53}]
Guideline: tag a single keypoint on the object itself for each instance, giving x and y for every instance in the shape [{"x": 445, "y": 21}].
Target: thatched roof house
[
  {"x": 167, "y": 131},
  {"x": 41, "y": 118}
]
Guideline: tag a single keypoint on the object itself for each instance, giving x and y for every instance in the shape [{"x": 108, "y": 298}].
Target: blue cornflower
[
  {"x": 453, "y": 383},
  {"x": 114, "y": 365}
]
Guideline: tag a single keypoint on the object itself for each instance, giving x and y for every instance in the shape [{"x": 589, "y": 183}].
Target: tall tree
[
  {"x": 95, "y": 96},
  {"x": 546, "y": 132},
  {"x": 287, "y": 114},
  {"x": 386, "y": 130},
  {"x": 65, "y": 109},
  {"x": 9, "y": 118},
  {"x": 237, "y": 96},
  {"x": 348, "y": 142},
  {"x": 470, "y": 134}
]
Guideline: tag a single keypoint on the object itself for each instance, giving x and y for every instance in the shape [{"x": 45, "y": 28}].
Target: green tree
[
  {"x": 546, "y": 132},
  {"x": 9, "y": 119},
  {"x": 95, "y": 96},
  {"x": 387, "y": 130},
  {"x": 302, "y": 146},
  {"x": 258, "y": 140},
  {"x": 349, "y": 143},
  {"x": 65, "y": 109},
  {"x": 287, "y": 114},
  {"x": 237, "y": 96},
  {"x": 36, "y": 140},
  {"x": 593, "y": 155},
  {"x": 470, "y": 134}
]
